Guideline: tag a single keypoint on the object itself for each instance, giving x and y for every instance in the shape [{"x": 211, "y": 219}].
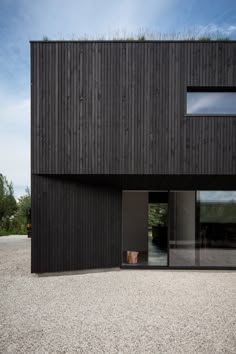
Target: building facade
[{"x": 133, "y": 149}]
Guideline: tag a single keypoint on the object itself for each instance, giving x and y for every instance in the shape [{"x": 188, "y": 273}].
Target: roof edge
[{"x": 134, "y": 41}]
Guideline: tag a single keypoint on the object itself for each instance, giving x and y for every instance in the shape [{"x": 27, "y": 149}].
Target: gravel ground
[{"x": 113, "y": 312}]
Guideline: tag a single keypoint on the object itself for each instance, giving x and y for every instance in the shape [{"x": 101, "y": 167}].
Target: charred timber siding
[
  {"x": 75, "y": 226},
  {"x": 119, "y": 108}
]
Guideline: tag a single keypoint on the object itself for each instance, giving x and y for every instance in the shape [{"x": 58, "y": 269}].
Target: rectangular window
[
  {"x": 202, "y": 228},
  {"x": 216, "y": 224},
  {"x": 211, "y": 102}
]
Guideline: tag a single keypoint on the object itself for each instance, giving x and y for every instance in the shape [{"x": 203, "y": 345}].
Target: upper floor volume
[{"x": 154, "y": 107}]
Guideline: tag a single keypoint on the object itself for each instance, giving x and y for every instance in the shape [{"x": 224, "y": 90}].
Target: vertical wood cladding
[
  {"x": 74, "y": 226},
  {"x": 119, "y": 108},
  {"x": 116, "y": 111}
]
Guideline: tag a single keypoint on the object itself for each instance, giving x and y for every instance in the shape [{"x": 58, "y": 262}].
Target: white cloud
[
  {"x": 217, "y": 30},
  {"x": 60, "y": 19},
  {"x": 15, "y": 140},
  {"x": 14, "y": 110}
]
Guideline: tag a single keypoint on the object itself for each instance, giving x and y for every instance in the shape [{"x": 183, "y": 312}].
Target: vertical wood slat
[{"x": 57, "y": 244}]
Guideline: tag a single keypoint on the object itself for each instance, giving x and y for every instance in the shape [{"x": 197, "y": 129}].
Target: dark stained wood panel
[
  {"x": 107, "y": 116},
  {"x": 74, "y": 226},
  {"x": 119, "y": 108}
]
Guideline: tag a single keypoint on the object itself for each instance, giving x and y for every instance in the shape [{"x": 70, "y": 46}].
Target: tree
[
  {"x": 8, "y": 205},
  {"x": 24, "y": 203},
  {"x": 18, "y": 221},
  {"x": 13, "y": 214},
  {"x": 157, "y": 214}
]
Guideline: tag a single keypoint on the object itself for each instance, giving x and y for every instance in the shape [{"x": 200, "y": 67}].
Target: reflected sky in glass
[
  {"x": 211, "y": 103},
  {"x": 218, "y": 196}
]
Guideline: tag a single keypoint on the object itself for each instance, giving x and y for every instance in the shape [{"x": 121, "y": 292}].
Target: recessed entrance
[
  {"x": 188, "y": 229},
  {"x": 145, "y": 228}
]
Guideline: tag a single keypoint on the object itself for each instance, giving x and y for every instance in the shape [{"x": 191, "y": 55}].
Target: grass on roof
[{"x": 147, "y": 35}]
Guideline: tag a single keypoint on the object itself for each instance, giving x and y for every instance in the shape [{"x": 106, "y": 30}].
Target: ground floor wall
[
  {"x": 75, "y": 226},
  {"x": 79, "y": 222}
]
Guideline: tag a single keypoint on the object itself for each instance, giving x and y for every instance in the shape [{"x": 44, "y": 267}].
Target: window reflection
[
  {"x": 217, "y": 228},
  {"x": 211, "y": 103}
]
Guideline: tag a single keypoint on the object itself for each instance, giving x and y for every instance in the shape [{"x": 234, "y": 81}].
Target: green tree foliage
[
  {"x": 146, "y": 35},
  {"x": 157, "y": 214},
  {"x": 8, "y": 205},
  {"x": 13, "y": 214},
  {"x": 20, "y": 219}
]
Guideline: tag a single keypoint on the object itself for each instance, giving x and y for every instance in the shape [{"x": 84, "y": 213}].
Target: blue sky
[{"x": 25, "y": 20}]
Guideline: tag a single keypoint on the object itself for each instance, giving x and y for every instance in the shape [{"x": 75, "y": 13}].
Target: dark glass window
[
  {"x": 211, "y": 103},
  {"x": 202, "y": 234},
  {"x": 217, "y": 228}
]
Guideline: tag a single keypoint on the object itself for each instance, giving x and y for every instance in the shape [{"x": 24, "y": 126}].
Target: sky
[
  {"x": 218, "y": 196},
  {"x": 25, "y": 20}
]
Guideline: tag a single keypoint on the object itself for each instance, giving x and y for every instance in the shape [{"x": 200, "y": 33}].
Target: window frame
[{"x": 208, "y": 89}]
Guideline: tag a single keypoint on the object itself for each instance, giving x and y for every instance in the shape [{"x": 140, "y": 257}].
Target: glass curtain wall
[
  {"x": 202, "y": 229},
  {"x": 179, "y": 228},
  {"x": 216, "y": 228}
]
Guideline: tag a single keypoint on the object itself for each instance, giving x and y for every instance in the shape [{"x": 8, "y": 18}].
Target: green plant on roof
[{"x": 145, "y": 35}]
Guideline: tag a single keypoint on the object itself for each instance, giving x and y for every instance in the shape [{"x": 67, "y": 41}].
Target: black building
[{"x": 133, "y": 150}]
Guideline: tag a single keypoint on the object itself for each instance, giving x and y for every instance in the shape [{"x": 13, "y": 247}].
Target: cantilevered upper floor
[{"x": 153, "y": 107}]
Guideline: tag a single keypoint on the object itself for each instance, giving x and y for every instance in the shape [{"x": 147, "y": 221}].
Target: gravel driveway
[{"x": 113, "y": 312}]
